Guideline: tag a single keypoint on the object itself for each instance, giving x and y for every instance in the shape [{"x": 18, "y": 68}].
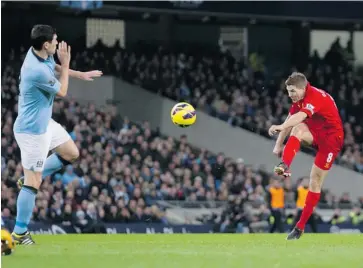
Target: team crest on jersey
[
  {"x": 39, "y": 164},
  {"x": 310, "y": 107},
  {"x": 51, "y": 82}
]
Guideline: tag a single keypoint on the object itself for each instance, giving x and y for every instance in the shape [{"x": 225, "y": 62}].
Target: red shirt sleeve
[
  {"x": 312, "y": 105},
  {"x": 293, "y": 109}
]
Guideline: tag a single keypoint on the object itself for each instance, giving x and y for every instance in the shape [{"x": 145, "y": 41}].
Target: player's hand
[
  {"x": 88, "y": 76},
  {"x": 64, "y": 53},
  {"x": 278, "y": 150},
  {"x": 274, "y": 129}
]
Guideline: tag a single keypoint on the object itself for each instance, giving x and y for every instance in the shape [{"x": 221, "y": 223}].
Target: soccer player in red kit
[{"x": 314, "y": 120}]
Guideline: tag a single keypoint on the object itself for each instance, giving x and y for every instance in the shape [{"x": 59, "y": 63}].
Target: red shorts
[{"x": 328, "y": 146}]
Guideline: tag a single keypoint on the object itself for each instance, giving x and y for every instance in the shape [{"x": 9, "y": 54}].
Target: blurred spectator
[
  {"x": 356, "y": 216},
  {"x": 337, "y": 217}
]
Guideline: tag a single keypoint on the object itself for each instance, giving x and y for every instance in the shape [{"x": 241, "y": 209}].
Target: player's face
[
  {"x": 51, "y": 47},
  {"x": 295, "y": 94}
]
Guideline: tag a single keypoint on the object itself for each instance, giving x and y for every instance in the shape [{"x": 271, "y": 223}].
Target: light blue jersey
[{"x": 38, "y": 87}]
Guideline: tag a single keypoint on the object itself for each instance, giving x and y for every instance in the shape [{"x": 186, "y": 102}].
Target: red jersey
[{"x": 322, "y": 112}]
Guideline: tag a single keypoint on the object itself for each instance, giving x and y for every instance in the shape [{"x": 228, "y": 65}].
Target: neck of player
[{"x": 41, "y": 53}]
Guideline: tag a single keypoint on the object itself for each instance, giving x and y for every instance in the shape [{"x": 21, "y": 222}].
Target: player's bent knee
[
  {"x": 72, "y": 155},
  {"x": 299, "y": 131},
  {"x": 75, "y": 155},
  {"x": 68, "y": 151}
]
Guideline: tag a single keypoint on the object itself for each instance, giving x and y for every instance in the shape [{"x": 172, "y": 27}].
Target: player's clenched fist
[
  {"x": 274, "y": 129},
  {"x": 64, "y": 53}
]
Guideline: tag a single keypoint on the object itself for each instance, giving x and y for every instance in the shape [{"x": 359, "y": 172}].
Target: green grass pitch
[{"x": 189, "y": 250}]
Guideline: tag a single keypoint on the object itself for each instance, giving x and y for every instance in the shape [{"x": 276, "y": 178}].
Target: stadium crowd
[
  {"x": 242, "y": 93},
  {"x": 124, "y": 168}
]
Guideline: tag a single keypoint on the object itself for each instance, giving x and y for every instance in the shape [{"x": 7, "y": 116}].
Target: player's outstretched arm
[
  {"x": 283, "y": 134},
  {"x": 279, "y": 145},
  {"x": 87, "y": 76}
]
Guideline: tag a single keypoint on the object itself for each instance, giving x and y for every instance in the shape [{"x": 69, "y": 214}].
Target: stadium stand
[
  {"x": 125, "y": 168},
  {"x": 241, "y": 93}
]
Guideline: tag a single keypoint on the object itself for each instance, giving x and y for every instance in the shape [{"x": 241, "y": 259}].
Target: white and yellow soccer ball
[
  {"x": 7, "y": 242},
  {"x": 183, "y": 114}
]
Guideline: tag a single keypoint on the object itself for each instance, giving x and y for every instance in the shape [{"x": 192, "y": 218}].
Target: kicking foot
[
  {"x": 296, "y": 233},
  {"x": 23, "y": 239},
  {"x": 282, "y": 170}
]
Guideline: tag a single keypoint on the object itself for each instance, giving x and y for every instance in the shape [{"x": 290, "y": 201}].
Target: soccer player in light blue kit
[{"x": 35, "y": 131}]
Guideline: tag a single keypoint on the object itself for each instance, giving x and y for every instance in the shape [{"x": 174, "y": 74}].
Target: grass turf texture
[{"x": 188, "y": 250}]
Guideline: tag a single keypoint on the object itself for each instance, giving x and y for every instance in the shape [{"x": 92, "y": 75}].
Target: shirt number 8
[{"x": 330, "y": 157}]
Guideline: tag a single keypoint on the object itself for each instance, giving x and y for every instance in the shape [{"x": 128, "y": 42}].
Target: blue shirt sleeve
[{"x": 47, "y": 83}]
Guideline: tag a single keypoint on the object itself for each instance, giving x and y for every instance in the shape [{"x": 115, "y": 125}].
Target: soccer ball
[
  {"x": 7, "y": 242},
  {"x": 183, "y": 114}
]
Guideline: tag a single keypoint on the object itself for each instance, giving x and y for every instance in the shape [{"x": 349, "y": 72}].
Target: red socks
[
  {"x": 291, "y": 148},
  {"x": 312, "y": 199}
]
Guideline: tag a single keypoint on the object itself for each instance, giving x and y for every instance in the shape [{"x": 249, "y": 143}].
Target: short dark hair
[
  {"x": 41, "y": 34},
  {"x": 297, "y": 79}
]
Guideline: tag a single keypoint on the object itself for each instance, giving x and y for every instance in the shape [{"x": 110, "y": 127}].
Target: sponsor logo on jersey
[{"x": 310, "y": 107}]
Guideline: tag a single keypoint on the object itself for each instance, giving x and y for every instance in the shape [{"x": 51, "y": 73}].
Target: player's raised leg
[
  {"x": 66, "y": 154},
  {"x": 54, "y": 163},
  {"x": 66, "y": 151},
  {"x": 299, "y": 133}
]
